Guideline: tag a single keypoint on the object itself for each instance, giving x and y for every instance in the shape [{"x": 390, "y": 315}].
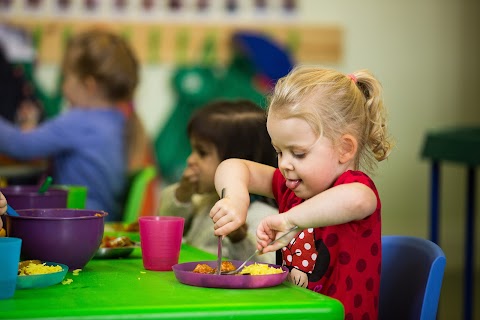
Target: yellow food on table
[
  {"x": 258, "y": 269},
  {"x": 37, "y": 268},
  {"x": 76, "y": 272},
  {"x": 3, "y": 233}
]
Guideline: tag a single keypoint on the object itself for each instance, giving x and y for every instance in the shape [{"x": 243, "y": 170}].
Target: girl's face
[
  {"x": 309, "y": 163},
  {"x": 202, "y": 164}
]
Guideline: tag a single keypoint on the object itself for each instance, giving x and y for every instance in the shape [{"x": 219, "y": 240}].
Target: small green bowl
[{"x": 42, "y": 280}]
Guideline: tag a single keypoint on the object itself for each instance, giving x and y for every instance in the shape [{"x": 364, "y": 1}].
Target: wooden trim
[{"x": 163, "y": 42}]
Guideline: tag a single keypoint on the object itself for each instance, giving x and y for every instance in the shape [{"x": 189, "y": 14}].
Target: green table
[
  {"x": 461, "y": 146},
  {"x": 123, "y": 289}
]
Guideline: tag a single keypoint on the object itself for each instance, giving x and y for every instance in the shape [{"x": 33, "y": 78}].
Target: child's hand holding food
[{"x": 187, "y": 186}]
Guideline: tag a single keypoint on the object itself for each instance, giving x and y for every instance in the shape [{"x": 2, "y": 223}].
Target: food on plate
[
  {"x": 116, "y": 242},
  {"x": 227, "y": 266},
  {"x": 203, "y": 268},
  {"x": 33, "y": 267},
  {"x": 25, "y": 263},
  {"x": 258, "y": 269},
  {"x": 206, "y": 269},
  {"x": 255, "y": 269}
]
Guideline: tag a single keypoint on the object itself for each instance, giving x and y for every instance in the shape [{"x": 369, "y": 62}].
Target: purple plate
[{"x": 183, "y": 273}]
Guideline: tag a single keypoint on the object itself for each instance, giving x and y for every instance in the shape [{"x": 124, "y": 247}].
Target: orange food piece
[
  {"x": 227, "y": 266},
  {"x": 206, "y": 269},
  {"x": 203, "y": 268}
]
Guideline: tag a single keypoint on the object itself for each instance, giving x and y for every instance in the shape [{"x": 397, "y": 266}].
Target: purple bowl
[
  {"x": 68, "y": 236},
  {"x": 27, "y": 197}
]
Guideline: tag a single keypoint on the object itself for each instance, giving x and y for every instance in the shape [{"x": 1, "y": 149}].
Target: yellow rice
[
  {"x": 33, "y": 268},
  {"x": 257, "y": 269}
]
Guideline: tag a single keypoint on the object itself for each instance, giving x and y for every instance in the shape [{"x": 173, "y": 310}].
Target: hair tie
[{"x": 352, "y": 76}]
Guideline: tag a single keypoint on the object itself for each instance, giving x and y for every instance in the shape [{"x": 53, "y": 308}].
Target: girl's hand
[
  {"x": 271, "y": 228},
  {"x": 3, "y": 207},
  {"x": 28, "y": 115},
  {"x": 228, "y": 216},
  {"x": 3, "y": 204}
]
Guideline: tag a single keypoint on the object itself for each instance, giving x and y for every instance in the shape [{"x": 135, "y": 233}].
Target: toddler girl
[{"x": 328, "y": 129}]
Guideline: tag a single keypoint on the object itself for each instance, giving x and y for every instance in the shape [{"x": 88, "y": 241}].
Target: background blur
[{"x": 425, "y": 53}]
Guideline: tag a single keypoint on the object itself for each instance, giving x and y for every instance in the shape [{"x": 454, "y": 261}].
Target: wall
[
  {"x": 426, "y": 56},
  {"x": 425, "y": 53}
]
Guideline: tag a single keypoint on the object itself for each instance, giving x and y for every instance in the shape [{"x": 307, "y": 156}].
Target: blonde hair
[{"x": 334, "y": 104}]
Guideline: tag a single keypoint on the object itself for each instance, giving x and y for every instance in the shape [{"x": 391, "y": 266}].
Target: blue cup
[{"x": 10, "y": 253}]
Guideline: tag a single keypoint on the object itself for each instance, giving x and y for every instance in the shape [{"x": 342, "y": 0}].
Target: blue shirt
[{"x": 87, "y": 147}]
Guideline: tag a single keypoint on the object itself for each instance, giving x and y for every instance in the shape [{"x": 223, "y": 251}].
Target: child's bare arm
[
  {"x": 337, "y": 205},
  {"x": 239, "y": 178}
]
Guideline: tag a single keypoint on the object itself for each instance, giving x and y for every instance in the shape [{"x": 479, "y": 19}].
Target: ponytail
[{"x": 376, "y": 138}]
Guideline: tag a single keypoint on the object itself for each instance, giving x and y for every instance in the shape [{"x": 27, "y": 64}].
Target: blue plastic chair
[{"x": 411, "y": 280}]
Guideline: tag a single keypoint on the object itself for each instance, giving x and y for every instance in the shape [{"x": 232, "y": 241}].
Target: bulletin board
[{"x": 182, "y": 42}]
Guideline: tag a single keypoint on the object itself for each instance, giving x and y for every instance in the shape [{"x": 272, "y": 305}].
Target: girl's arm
[
  {"x": 239, "y": 178},
  {"x": 49, "y": 138},
  {"x": 337, "y": 205}
]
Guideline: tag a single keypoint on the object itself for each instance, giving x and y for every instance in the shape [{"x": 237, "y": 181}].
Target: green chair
[{"x": 138, "y": 193}]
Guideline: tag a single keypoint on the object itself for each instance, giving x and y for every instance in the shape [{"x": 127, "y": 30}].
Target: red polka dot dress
[{"x": 341, "y": 261}]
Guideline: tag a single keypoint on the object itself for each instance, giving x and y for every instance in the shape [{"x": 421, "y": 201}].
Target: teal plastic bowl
[{"x": 42, "y": 280}]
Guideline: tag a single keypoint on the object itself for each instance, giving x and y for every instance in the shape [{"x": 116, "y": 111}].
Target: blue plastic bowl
[{"x": 42, "y": 280}]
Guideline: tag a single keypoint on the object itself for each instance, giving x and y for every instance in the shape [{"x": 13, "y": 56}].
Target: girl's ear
[{"x": 347, "y": 148}]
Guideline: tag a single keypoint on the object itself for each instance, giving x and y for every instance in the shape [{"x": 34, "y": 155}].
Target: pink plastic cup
[{"x": 161, "y": 239}]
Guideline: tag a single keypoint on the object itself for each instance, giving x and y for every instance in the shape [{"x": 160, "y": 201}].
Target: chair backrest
[
  {"x": 137, "y": 193},
  {"x": 411, "y": 278}
]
